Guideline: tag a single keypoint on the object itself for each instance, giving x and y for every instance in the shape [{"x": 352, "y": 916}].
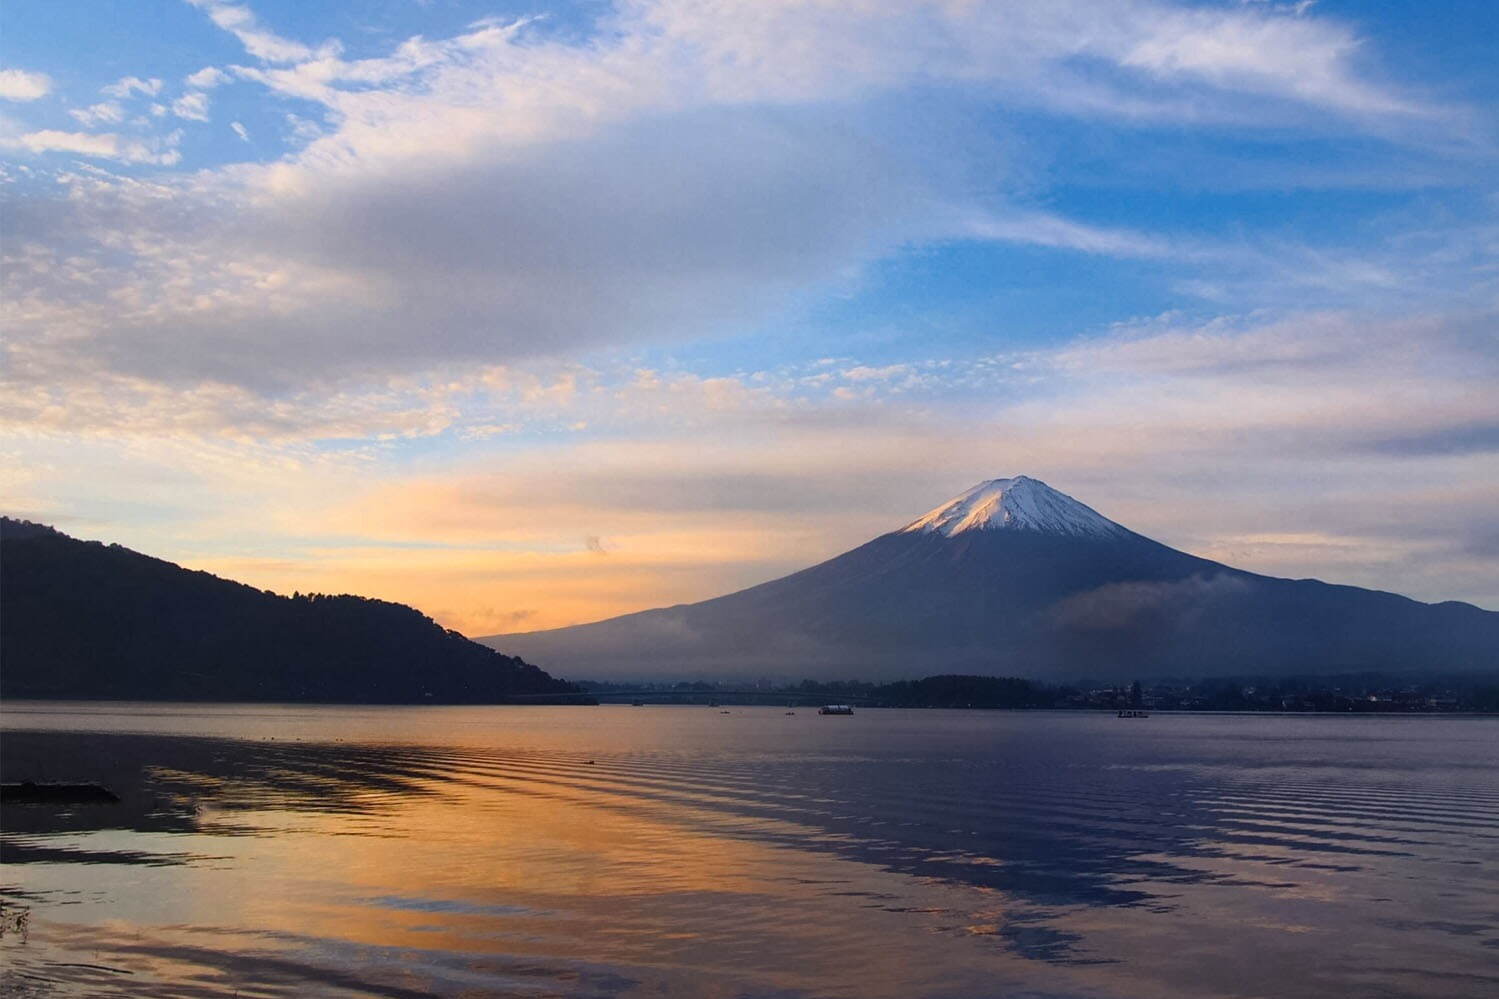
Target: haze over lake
[{"x": 292, "y": 851}]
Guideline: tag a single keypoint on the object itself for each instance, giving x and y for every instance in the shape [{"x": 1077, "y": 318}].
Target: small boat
[
  {"x": 637, "y": 704},
  {"x": 1133, "y": 713},
  {"x": 712, "y": 704},
  {"x": 835, "y": 709}
]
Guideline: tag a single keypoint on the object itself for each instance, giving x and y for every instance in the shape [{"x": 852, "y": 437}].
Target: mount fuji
[{"x": 1014, "y": 577}]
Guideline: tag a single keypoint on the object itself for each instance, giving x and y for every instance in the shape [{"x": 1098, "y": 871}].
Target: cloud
[
  {"x": 192, "y": 105},
  {"x": 505, "y": 194},
  {"x": 1477, "y": 436},
  {"x": 864, "y": 373},
  {"x": 20, "y": 85},
  {"x": 100, "y": 145},
  {"x": 1262, "y": 51},
  {"x": 1076, "y": 55},
  {"x": 72, "y": 142},
  {"x": 1146, "y": 610},
  {"x": 1041, "y": 229},
  {"x": 103, "y": 113},
  {"x": 127, "y": 86},
  {"x": 207, "y": 78},
  {"x": 241, "y": 22},
  {"x": 493, "y": 260},
  {"x": 1260, "y": 443}
]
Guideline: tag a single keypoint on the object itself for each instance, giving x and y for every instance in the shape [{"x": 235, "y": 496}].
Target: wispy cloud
[
  {"x": 103, "y": 145},
  {"x": 1043, "y": 229},
  {"x": 1263, "y": 51},
  {"x": 130, "y": 86},
  {"x": 240, "y": 21},
  {"x": 526, "y": 195},
  {"x": 192, "y": 105},
  {"x": 1333, "y": 444},
  {"x": 103, "y": 113}
]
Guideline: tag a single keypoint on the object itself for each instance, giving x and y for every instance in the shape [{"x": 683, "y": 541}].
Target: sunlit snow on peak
[{"x": 1017, "y": 504}]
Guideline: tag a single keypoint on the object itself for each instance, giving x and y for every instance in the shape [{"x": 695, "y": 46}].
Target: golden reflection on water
[
  {"x": 547, "y": 862},
  {"x": 672, "y": 851}
]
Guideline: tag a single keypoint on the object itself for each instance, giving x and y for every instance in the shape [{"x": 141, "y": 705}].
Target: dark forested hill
[{"x": 80, "y": 619}]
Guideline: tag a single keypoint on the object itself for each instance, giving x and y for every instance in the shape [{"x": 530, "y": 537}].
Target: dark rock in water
[{"x": 29, "y": 793}]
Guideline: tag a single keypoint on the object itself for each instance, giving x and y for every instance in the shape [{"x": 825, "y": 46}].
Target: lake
[{"x": 694, "y": 851}]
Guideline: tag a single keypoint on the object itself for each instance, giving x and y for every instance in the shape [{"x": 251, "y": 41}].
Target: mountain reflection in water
[{"x": 615, "y": 851}]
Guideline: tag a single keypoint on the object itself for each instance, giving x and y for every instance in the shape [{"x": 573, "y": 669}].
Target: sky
[{"x": 529, "y": 314}]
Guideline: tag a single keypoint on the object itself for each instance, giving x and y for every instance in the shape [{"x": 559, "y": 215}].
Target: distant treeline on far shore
[{"x": 1351, "y": 693}]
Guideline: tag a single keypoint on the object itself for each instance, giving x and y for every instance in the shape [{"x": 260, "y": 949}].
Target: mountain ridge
[
  {"x": 966, "y": 589},
  {"x": 86, "y": 620}
]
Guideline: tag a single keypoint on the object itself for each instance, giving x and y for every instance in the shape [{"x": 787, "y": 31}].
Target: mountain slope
[
  {"x": 1016, "y": 578},
  {"x": 86, "y": 620}
]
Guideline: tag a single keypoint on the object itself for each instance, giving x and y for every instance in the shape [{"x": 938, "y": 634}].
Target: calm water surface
[{"x": 307, "y": 851}]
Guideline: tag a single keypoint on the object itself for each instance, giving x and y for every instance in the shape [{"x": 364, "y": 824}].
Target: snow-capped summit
[
  {"x": 1017, "y": 504},
  {"x": 1015, "y": 578}
]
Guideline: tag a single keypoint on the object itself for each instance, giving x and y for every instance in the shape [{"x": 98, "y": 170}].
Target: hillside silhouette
[{"x": 82, "y": 619}]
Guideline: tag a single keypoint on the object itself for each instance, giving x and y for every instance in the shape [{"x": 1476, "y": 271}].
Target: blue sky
[{"x": 606, "y": 305}]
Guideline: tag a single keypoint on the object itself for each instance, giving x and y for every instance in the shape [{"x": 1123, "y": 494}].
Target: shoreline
[{"x": 1100, "y": 711}]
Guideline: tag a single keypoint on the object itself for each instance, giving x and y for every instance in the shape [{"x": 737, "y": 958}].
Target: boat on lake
[{"x": 835, "y": 709}]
